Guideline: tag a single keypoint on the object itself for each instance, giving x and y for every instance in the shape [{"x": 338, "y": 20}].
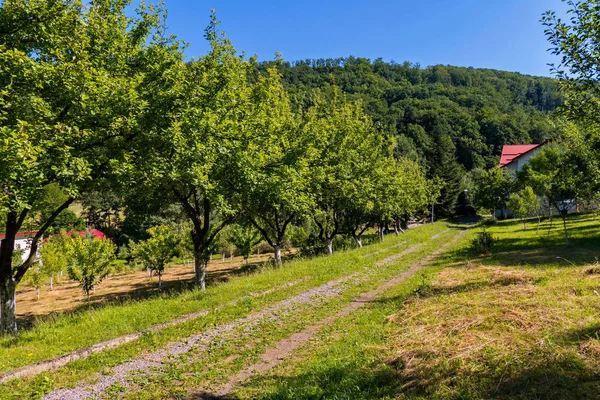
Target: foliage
[
  {"x": 555, "y": 174},
  {"x": 244, "y": 238},
  {"x": 158, "y": 250},
  {"x": 77, "y": 86},
  {"x": 483, "y": 242},
  {"x": 492, "y": 188},
  {"x": 89, "y": 260},
  {"x": 524, "y": 203}
]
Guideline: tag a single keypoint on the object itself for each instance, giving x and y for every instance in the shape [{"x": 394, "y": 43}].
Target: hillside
[{"x": 479, "y": 109}]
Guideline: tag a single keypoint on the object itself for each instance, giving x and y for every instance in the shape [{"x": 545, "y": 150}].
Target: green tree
[
  {"x": 244, "y": 238},
  {"x": 207, "y": 147},
  {"x": 524, "y": 204},
  {"x": 577, "y": 42},
  {"x": 158, "y": 250},
  {"x": 555, "y": 174},
  {"x": 492, "y": 189},
  {"x": 347, "y": 146},
  {"x": 76, "y": 83},
  {"x": 277, "y": 190},
  {"x": 89, "y": 260},
  {"x": 53, "y": 259}
]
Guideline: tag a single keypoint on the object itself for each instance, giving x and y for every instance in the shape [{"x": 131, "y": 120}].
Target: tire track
[
  {"x": 145, "y": 365},
  {"x": 286, "y": 347}
]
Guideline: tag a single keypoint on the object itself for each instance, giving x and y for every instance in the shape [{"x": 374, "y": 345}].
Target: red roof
[
  {"x": 20, "y": 235},
  {"x": 511, "y": 152},
  {"x": 94, "y": 232}
]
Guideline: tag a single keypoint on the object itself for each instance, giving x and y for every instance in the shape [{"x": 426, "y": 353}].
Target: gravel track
[
  {"x": 122, "y": 374},
  {"x": 285, "y": 348},
  {"x": 147, "y": 364},
  {"x": 60, "y": 361}
]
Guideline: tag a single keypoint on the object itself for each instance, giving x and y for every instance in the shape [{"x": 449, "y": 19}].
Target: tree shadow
[{"x": 138, "y": 292}]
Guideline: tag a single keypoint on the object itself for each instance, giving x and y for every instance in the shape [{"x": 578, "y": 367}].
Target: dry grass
[
  {"x": 67, "y": 295},
  {"x": 506, "y": 332}
]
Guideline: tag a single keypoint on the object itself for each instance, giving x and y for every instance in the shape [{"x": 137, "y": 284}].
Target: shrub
[{"x": 483, "y": 242}]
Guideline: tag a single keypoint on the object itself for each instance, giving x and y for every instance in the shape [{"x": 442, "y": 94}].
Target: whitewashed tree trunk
[
  {"x": 8, "y": 308},
  {"x": 51, "y": 282},
  {"x": 277, "y": 254},
  {"x": 37, "y": 293},
  {"x": 223, "y": 257},
  {"x": 159, "y": 281},
  {"x": 358, "y": 240},
  {"x": 329, "y": 245},
  {"x": 200, "y": 271}
]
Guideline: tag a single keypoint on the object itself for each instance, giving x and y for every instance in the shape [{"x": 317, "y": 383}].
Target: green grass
[
  {"x": 50, "y": 338},
  {"x": 517, "y": 323}
]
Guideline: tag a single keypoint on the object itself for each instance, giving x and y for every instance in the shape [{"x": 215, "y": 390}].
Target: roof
[
  {"x": 94, "y": 232},
  {"x": 512, "y": 152},
  {"x": 20, "y": 235}
]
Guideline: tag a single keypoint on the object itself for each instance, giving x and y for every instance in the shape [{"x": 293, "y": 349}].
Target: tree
[
  {"x": 277, "y": 190},
  {"x": 157, "y": 251},
  {"x": 400, "y": 192},
  {"x": 244, "y": 238},
  {"x": 205, "y": 147},
  {"x": 52, "y": 256},
  {"x": 75, "y": 84},
  {"x": 347, "y": 146},
  {"x": 492, "y": 189},
  {"x": 89, "y": 260},
  {"x": 577, "y": 42},
  {"x": 433, "y": 192},
  {"x": 524, "y": 204},
  {"x": 36, "y": 277},
  {"x": 555, "y": 174}
]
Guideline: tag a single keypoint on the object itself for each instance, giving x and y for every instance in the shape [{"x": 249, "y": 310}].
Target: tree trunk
[
  {"x": 566, "y": 231},
  {"x": 277, "y": 254},
  {"x": 381, "y": 233},
  {"x": 223, "y": 257},
  {"x": 51, "y": 281},
  {"x": 159, "y": 281},
  {"x": 539, "y": 222},
  {"x": 396, "y": 228},
  {"x": 358, "y": 240},
  {"x": 8, "y": 308},
  {"x": 200, "y": 270},
  {"x": 37, "y": 293},
  {"x": 329, "y": 246},
  {"x": 432, "y": 212},
  {"x": 149, "y": 271},
  {"x": 231, "y": 257},
  {"x": 246, "y": 260}
]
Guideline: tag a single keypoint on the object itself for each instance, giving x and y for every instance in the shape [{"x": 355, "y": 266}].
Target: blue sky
[{"x": 500, "y": 34}]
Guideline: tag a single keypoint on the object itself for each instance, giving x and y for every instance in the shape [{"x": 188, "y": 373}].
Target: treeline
[
  {"x": 102, "y": 107},
  {"x": 450, "y": 119}
]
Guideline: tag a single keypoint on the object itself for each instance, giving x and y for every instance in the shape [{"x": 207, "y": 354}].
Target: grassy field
[
  {"x": 51, "y": 337},
  {"x": 516, "y": 323},
  {"x": 520, "y": 322}
]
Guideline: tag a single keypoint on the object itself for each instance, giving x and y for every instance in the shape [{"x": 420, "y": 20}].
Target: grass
[
  {"x": 515, "y": 324},
  {"x": 519, "y": 322},
  {"x": 50, "y": 338}
]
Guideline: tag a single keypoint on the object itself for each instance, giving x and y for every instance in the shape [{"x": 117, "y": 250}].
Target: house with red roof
[
  {"x": 23, "y": 240},
  {"x": 515, "y": 156}
]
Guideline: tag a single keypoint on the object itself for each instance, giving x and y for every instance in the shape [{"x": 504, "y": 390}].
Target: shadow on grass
[
  {"x": 565, "y": 377},
  {"x": 140, "y": 291}
]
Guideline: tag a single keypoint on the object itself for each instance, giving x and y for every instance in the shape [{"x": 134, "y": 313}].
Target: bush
[
  {"x": 487, "y": 222},
  {"x": 483, "y": 242}
]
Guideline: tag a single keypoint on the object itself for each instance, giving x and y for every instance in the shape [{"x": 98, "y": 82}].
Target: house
[
  {"x": 514, "y": 157},
  {"x": 23, "y": 240},
  {"x": 22, "y": 243}
]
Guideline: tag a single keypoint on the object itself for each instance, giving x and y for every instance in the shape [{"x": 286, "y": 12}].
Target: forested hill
[{"x": 440, "y": 110}]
